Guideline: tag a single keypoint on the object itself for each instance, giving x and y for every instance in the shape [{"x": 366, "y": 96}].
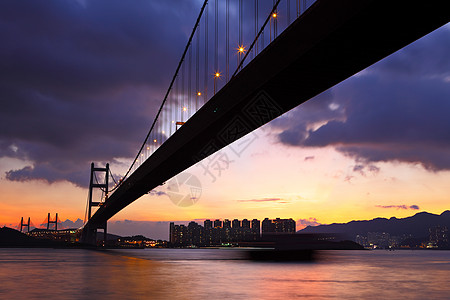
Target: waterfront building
[
  {"x": 217, "y": 232},
  {"x": 256, "y": 228},
  {"x": 278, "y": 226},
  {"x": 438, "y": 237}
]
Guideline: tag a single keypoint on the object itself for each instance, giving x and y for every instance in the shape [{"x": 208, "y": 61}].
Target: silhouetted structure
[
  {"x": 22, "y": 225},
  {"x": 256, "y": 227},
  {"x": 278, "y": 226},
  {"x": 90, "y": 234},
  {"x": 356, "y": 34},
  {"x": 52, "y": 222},
  {"x": 225, "y": 232},
  {"x": 438, "y": 237},
  {"x": 70, "y": 235}
]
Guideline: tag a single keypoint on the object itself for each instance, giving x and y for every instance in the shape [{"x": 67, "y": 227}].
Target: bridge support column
[
  {"x": 52, "y": 222},
  {"x": 89, "y": 234},
  {"x": 22, "y": 225}
]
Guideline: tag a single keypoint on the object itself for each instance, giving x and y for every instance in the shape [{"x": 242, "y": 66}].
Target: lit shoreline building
[{"x": 218, "y": 232}]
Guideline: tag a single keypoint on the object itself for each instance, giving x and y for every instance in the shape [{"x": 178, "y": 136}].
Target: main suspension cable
[
  {"x": 254, "y": 41},
  {"x": 166, "y": 95}
]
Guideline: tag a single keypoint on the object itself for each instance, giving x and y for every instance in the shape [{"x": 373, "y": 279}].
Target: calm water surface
[{"x": 220, "y": 274}]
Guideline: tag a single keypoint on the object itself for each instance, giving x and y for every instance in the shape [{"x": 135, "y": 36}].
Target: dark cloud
[
  {"x": 396, "y": 110},
  {"x": 364, "y": 169},
  {"x": 157, "y": 193},
  {"x": 80, "y": 80},
  {"x": 413, "y": 207}
]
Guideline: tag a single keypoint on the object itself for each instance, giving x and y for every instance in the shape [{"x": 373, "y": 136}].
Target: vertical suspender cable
[
  {"x": 183, "y": 71},
  {"x": 216, "y": 44},
  {"x": 227, "y": 46},
  {"x": 275, "y": 22},
  {"x": 288, "y": 7},
  {"x": 175, "y": 106},
  {"x": 189, "y": 90},
  {"x": 197, "y": 71},
  {"x": 260, "y": 33},
  {"x": 206, "y": 57},
  {"x": 240, "y": 23},
  {"x": 166, "y": 95},
  {"x": 241, "y": 27},
  {"x": 216, "y": 37},
  {"x": 256, "y": 24},
  {"x": 262, "y": 36}
]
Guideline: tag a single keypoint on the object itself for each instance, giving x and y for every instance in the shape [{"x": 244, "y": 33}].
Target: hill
[
  {"x": 15, "y": 239},
  {"x": 417, "y": 226}
]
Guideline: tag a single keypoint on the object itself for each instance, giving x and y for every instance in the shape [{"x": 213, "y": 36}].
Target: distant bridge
[{"x": 324, "y": 45}]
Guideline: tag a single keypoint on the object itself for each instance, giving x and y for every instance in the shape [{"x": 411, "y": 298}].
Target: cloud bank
[
  {"x": 413, "y": 207},
  {"x": 395, "y": 111},
  {"x": 80, "y": 83}
]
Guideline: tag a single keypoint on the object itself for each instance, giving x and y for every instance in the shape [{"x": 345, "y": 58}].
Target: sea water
[{"x": 221, "y": 274}]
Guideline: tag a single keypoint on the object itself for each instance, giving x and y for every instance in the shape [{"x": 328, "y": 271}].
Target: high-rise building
[
  {"x": 439, "y": 236},
  {"x": 256, "y": 229},
  {"x": 245, "y": 223},
  {"x": 219, "y": 232},
  {"x": 178, "y": 235},
  {"x": 236, "y": 223},
  {"x": 378, "y": 239},
  {"x": 267, "y": 226},
  {"x": 278, "y": 226},
  {"x": 236, "y": 231},
  {"x": 217, "y": 223},
  {"x": 195, "y": 234},
  {"x": 226, "y": 223},
  {"x": 226, "y": 231},
  {"x": 246, "y": 231},
  {"x": 172, "y": 232},
  {"x": 207, "y": 240},
  {"x": 207, "y": 224}
]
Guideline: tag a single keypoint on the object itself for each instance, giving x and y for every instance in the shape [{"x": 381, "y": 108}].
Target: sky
[{"x": 80, "y": 82}]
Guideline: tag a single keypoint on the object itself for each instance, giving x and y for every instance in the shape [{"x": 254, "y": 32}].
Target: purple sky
[{"x": 80, "y": 81}]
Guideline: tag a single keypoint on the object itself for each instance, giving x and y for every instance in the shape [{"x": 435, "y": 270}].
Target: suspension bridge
[{"x": 248, "y": 62}]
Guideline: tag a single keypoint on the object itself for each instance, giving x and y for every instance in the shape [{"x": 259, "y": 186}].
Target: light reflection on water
[{"x": 220, "y": 273}]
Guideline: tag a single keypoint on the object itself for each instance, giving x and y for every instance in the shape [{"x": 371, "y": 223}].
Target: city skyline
[
  {"x": 373, "y": 146},
  {"x": 218, "y": 232}
]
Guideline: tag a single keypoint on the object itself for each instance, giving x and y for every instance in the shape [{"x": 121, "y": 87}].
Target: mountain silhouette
[
  {"x": 417, "y": 226},
  {"x": 12, "y": 238}
]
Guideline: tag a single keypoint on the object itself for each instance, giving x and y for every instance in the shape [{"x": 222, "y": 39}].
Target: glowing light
[
  {"x": 241, "y": 49},
  {"x": 163, "y": 132},
  {"x": 199, "y": 93},
  {"x": 185, "y": 108},
  {"x": 154, "y": 141},
  {"x": 142, "y": 154},
  {"x": 274, "y": 15},
  {"x": 217, "y": 74},
  {"x": 173, "y": 122},
  {"x": 148, "y": 148}
]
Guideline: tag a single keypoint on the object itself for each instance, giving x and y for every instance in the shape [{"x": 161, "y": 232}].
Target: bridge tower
[
  {"x": 90, "y": 234},
  {"x": 22, "y": 225},
  {"x": 52, "y": 222}
]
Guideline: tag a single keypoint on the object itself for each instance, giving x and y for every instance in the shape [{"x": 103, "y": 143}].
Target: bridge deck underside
[{"x": 330, "y": 42}]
